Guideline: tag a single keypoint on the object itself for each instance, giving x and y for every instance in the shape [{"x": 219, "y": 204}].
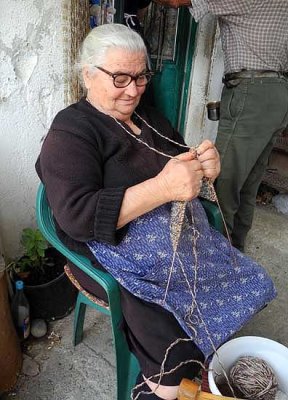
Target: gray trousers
[{"x": 252, "y": 114}]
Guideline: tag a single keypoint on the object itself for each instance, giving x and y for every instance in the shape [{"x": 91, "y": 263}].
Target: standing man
[{"x": 254, "y": 104}]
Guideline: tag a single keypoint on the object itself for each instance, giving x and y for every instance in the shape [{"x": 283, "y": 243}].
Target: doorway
[{"x": 170, "y": 34}]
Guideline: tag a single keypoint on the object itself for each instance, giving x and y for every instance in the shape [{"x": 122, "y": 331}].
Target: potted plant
[{"x": 41, "y": 267}]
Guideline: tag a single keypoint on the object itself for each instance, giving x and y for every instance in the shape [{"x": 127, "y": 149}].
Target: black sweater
[{"x": 86, "y": 163}]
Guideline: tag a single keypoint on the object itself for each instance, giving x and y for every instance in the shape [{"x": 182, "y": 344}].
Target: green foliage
[{"x": 34, "y": 246}]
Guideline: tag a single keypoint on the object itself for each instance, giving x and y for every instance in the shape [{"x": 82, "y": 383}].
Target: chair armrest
[{"x": 213, "y": 214}]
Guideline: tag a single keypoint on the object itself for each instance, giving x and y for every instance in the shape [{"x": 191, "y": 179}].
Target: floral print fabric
[{"x": 211, "y": 288}]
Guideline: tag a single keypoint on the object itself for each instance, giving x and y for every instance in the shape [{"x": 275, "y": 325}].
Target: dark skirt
[{"x": 150, "y": 330}]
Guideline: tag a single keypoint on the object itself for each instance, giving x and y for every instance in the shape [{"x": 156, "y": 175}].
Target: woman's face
[{"x": 117, "y": 102}]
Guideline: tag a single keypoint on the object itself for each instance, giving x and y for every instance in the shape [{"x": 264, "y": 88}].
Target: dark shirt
[{"x": 86, "y": 163}]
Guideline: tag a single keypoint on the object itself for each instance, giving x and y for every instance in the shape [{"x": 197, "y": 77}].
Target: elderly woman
[{"x": 117, "y": 176}]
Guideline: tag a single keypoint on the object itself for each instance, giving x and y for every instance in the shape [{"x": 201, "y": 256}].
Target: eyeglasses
[{"x": 121, "y": 80}]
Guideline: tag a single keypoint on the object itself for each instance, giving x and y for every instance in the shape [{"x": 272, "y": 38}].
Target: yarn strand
[{"x": 176, "y": 228}]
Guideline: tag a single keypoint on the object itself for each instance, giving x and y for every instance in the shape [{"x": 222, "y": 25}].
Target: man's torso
[{"x": 254, "y": 33}]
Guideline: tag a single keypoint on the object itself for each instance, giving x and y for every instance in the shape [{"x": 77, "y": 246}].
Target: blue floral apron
[{"x": 213, "y": 288}]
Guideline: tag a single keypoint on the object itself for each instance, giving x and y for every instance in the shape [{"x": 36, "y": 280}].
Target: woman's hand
[
  {"x": 209, "y": 158},
  {"x": 180, "y": 179}
]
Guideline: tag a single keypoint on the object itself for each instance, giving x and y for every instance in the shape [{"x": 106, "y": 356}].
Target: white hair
[{"x": 104, "y": 37}]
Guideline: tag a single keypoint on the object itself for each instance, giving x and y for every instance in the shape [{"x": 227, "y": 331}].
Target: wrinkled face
[{"x": 118, "y": 102}]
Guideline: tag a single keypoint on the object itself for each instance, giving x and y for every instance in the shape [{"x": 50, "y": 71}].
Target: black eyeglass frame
[{"x": 148, "y": 75}]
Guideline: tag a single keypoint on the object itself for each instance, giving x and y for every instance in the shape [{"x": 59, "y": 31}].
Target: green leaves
[{"x": 34, "y": 245}]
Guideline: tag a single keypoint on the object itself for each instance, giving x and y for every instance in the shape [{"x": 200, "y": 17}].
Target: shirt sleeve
[
  {"x": 199, "y": 8},
  {"x": 71, "y": 170}
]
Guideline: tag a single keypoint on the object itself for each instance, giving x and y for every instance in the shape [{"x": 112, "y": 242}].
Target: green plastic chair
[
  {"x": 127, "y": 367},
  {"x": 213, "y": 214}
]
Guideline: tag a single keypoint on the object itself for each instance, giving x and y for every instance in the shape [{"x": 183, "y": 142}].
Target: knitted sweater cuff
[{"x": 106, "y": 216}]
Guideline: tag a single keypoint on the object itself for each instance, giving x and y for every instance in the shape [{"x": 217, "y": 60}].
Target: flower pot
[
  {"x": 10, "y": 352},
  {"x": 275, "y": 354},
  {"x": 52, "y": 300},
  {"x": 50, "y": 295}
]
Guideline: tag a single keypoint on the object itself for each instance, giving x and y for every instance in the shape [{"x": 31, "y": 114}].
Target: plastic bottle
[{"x": 21, "y": 311}]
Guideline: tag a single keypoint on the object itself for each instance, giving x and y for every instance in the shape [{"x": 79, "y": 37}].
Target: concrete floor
[{"x": 88, "y": 372}]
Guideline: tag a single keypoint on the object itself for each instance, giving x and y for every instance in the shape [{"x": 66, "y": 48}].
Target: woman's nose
[{"x": 132, "y": 89}]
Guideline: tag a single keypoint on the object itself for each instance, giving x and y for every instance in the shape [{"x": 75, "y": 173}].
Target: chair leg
[
  {"x": 79, "y": 317},
  {"x": 127, "y": 367}
]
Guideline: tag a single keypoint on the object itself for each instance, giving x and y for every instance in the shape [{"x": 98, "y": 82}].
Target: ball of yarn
[{"x": 254, "y": 378}]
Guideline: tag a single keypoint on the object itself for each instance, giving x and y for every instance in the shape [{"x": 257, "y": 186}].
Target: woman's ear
[{"x": 86, "y": 75}]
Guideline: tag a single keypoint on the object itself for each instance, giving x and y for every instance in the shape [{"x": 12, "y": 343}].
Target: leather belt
[{"x": 248, "y": 74}]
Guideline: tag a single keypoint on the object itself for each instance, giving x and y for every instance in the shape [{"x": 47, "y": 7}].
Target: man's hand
[{"x": 174, "y": 3}]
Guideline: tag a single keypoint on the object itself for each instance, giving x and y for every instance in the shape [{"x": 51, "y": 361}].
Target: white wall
[
  {"x": 32, "y": 65},
  {"x": 31, "y": 92},
  {"x": 205, "y": 82}
]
